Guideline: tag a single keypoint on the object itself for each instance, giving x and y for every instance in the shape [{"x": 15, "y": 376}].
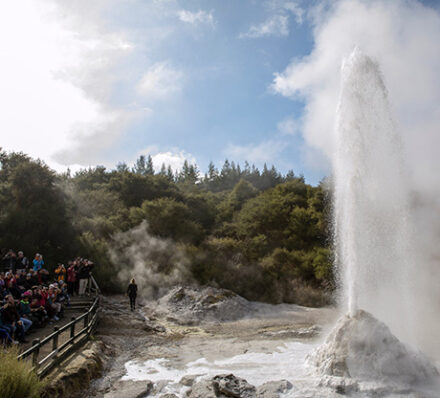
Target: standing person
[
  {"x": 60, "y": 271},
  {"x": 83, "y": 276},
  {"x": 38, "y": 262},
  {"x": 10, "y": 261},
  {"x": 132, "y": 292},
  {"x": 71, "y": 278},
  {"x": 22, "y": 262}
]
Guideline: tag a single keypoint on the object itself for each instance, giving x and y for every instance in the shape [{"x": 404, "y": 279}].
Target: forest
[{"x": 259, "y": 233}]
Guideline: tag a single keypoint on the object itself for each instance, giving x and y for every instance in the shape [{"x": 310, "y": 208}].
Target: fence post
[
  {"x": 55, "y": 339},
  {"x": 72, "y": 328},
  {"x": 86, "y": 321},
  {"x": 35, "y": 343}
]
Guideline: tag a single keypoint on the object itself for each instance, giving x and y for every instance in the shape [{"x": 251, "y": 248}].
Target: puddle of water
[{"x": 286, "y": 362}]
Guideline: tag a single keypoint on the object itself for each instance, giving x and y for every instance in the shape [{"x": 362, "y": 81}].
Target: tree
[
  {"x": 140, "y": 166},
  {"x": 34, "y": 213},
  {"x": 149, "y": 168}
]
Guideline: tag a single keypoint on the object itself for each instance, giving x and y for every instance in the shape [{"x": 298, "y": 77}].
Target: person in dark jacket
[{"x": 132, "y": 292}]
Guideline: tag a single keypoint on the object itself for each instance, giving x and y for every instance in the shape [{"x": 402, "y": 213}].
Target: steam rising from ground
[{"x": 155, "y": 263}]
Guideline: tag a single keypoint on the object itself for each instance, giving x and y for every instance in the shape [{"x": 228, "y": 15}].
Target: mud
[{"x": 157, "y": 333}]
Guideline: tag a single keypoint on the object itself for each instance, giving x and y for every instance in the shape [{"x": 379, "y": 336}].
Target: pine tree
[
  {"x": 170, "y": 173},
  {"x": 122, "y": 167},
  {"x": 163, "y": 170},
  {"x": 149, "y": 168},
  {"x": 140, "y": 166}
]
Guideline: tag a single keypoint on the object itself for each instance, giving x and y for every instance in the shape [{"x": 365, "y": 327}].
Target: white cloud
[
  {"x": 403, "y": 37},
  {"x": 195, "y": 18},
  {"x": 56, "y": 74},
  {"x": 296, "y": 10},
  {"x": 264, "y": 152},
  {"x": 174, "y": 157},
  {"x": 160, "y": 82},
  {"x": 276, "y": 25},
  {"x": 289, "y": 126}
]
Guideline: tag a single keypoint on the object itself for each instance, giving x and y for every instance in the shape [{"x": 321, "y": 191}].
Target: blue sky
[{"x": 98, "y": 83}]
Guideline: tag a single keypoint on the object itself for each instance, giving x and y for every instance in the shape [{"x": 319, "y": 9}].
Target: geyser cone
[
  {"x": 363, "y": 348},
  {"x": 372, "y": 231}
]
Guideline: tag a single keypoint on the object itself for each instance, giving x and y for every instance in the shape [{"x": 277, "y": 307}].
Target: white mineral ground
[{"x": 179, "y": 339}]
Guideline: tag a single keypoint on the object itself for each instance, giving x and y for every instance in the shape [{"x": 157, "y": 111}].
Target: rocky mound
[
  {"x": 363, "y": 348},
  {"x": 190, "y": 305},
  {"x": 230, "y": 386}
]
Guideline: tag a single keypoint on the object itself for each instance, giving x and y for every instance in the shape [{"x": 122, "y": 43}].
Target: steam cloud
[
  {"x": 402, "y": 36},
  {"x": 156, "y": 263}
]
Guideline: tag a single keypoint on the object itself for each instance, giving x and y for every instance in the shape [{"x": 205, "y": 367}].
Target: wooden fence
[{"x": 78, "y": 331}]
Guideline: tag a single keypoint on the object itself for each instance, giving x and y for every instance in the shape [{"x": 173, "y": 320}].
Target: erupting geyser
[
  {"x": 372, "y": 229},
  {"x": 376, "y": 258}
]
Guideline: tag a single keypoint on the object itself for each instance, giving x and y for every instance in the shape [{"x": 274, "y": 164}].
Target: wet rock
[
  {"x": 130, "y": 389},
  {"x": 188, "y": 380},
  {"x": 203, "y": 389},
  {"x": 232, "y": 386},
  {"x": 273, "y": 389},
  {"x": 223, "y": 386}
]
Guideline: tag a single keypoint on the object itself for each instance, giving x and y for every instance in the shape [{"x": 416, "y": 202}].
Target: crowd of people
[{"x": 31, "y": 296}]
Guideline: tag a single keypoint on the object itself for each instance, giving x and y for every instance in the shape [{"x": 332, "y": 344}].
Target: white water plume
[{"x": 377, "y": 252}]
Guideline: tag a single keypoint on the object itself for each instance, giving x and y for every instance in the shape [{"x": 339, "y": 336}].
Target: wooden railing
[{"x": 78, "y": 330}]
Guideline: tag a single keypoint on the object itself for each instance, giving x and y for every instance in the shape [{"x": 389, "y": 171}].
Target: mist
[{"x": 155, "y": 263}]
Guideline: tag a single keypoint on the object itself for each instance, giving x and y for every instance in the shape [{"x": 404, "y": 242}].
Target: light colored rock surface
[
  {"x": 190, "y": 305},
  {"x": 123, "y": 389},
  {"x": 363, "y": 348},
  {"x": 223, "y": 386},
  {"x": 76, "y": 371},
  {"x": 273, "y": 389}
]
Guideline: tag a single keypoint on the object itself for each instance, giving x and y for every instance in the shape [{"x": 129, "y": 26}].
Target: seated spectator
[
  {"x": 11, "y": 320},
  {"x": 39, "y": 314},
  {"x": 43, "y": 276},
  {"x": 33, "y": 280},
  {"x": 11, "y": 285},
  {"x": 20, "y": 279},
  {"x": 63, "y": 296},
  {"x": 24, "y": 310},
  {"x": 52, "y": 307}
]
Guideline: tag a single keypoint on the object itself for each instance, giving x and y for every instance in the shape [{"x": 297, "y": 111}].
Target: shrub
[{"x": 17, "y": 378}]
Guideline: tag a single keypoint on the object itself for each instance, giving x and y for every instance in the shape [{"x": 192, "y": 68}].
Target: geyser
[
  {"x": 374, "y": 250},
  {"x": 376, "y": 255}
]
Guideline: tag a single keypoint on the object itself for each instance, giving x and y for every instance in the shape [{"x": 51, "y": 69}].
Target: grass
[{"x": 17, "y": 378}]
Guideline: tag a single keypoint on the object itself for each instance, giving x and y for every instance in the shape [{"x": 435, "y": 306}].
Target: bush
[{"x": 17, "y": 378}]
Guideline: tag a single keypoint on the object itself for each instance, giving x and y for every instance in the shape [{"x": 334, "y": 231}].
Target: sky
[{"x": 97, "y": 83}]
